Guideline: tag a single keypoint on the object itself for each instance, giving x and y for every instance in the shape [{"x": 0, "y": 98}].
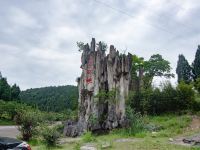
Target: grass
[
  {"x": 172, "y": 126},
  {"x": 88, "y": 137},
  {"x": 4, "y": 122}
]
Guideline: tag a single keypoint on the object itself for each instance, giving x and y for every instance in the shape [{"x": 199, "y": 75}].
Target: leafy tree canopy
[{"x": 157, "y": 66}]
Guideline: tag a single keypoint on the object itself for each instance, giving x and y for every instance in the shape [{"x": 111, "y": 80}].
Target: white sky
[{"x": 38, "y": 38}]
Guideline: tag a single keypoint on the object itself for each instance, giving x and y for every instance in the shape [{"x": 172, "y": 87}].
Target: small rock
[
  {"x": 105, "y": 145},
  {"x": 154, "y": 134},
  {"x": 127, "y": 140},
  {"x": 88, "y": 147},
  {"x": 171, "y": 140}
]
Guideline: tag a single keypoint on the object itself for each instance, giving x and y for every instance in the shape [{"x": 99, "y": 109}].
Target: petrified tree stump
[{"x": 109, "y": 74}]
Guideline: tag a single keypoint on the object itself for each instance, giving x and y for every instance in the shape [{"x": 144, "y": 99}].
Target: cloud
[{"x": 38, "y": 38}]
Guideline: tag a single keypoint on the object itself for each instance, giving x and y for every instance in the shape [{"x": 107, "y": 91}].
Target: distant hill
[{"x": 52, "y": 98}]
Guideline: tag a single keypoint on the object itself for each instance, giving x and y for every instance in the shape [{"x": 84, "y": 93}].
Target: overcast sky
[{"x": 38, "y": 37}]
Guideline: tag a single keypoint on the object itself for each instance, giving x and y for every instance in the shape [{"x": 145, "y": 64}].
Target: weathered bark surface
[{"x": 101, "y": 72}]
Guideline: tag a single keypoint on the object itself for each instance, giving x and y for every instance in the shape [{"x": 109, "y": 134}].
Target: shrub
[
  {"x": 60, "y": 128},
  {"x": 77, "y": 146},
  {"x": 10, "y": 109},
  {"x": 27, "y": 121},
  {"x": 88, "y": 137},
  {"x": 168, "y": 96},
  {"x": 185, "y": 95},
  {"x": 50, "y": 135},
  {"x": 197, "y": 84},
  {"x": 162, "y": 100},
  {"x": 135, "y": 120}
]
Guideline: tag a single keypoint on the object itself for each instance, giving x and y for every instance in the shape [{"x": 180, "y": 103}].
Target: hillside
[{"x": 52, "y": 98}]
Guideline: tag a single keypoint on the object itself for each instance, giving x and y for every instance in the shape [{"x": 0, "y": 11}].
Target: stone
[
  {"x": 88, "y": 147},
  {"x": 195, "y": 140},
  {"x": 153, "y": 134},
  {"x": 171, "y": 140},
  {"x": 106, "y": 145}
]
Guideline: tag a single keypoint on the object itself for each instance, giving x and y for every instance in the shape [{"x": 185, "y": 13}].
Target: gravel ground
[{"x": 9, "y": 131}]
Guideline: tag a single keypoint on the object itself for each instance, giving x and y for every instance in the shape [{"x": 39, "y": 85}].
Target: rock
[
  {"x": 69, "y": 140},
  {"x": 88, "y": 147},
  {"x": 194, "y": 140},
  {"x": 127, "y": 140},
  {"x": 171, "y": 140},
  {"x": 153, "y": 127},
  {"x": 153, "y": 134},
  {"x": 72, "y": 129},
  {"x": 106, "y": 145}
]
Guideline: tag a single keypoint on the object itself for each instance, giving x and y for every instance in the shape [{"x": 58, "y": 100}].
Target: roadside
[{"x": 9, "y": 131}]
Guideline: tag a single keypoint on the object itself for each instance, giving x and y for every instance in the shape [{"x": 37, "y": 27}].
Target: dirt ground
[
  {"x": 9, "y": 131},
  {"x": 194, "y": 126}
]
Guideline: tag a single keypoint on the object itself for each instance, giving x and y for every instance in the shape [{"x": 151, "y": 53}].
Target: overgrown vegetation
[
  {"x": 50, "y": 134},
  {"x": 88, "y": 137},
  {"x": 165, "y": 99},
  {"x": 28, "y": 121},
  {"x": 136, "y": 122},
  {"x": 107, "y": 96}
]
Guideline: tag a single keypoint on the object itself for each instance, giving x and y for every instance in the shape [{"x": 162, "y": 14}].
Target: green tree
[
  {"x": 15, "y": 91},
  {"x": 197, "y": 84},
  {"x": 143, "y": 73},
  {"x": 186, "y": 96},
  {"x": 183, "y": 70},
  {"x": 157, "y": 66},
  {"x": 196, "y": 64},
  {"x": 147, "y": 70},
  {"x": 57, "y": 99},
  {"x": 5, "y": 91}
]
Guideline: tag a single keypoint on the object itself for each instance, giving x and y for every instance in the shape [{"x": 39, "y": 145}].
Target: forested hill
[{"x": 52, "y": 98}]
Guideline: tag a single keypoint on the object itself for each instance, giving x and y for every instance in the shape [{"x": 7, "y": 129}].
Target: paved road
[{"x": 9, "y": 131}]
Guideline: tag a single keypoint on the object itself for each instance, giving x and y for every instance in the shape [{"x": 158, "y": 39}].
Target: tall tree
[
  {"x": 5, "y": 92},
  {"x": 143, "y": 73},
  {"x": 196, "y": 64},
  {"x": 156, "y": 66},
  {"x": 183, "y": 70},
  {"x": 15, "y": 91},
  {"x": 0, "y": 76},
  {"x": 147, "y": 70}
]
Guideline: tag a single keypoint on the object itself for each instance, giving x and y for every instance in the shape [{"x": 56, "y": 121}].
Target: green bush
[
  {"x": 50, "y": 135},
  {"x": 197, "y": 84},
  {"x": 186, "y": 96},
  {"x": 88, "y": 137},
  {"x": 136, "y": 122},
  {"x": 9, "y": 109},
  {"x": 164, "y": 99},
  {"x": 28, "y": 121}
]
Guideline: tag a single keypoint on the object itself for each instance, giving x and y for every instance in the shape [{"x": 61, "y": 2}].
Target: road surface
[{"x": 9, "y": 131}]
